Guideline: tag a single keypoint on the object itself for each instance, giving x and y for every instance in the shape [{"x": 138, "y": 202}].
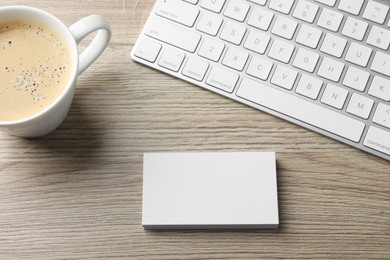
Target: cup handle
[{"x": 83, "y": 28}]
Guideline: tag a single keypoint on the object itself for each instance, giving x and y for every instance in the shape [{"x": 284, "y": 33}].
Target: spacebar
[{"x": 301, "y": 109}]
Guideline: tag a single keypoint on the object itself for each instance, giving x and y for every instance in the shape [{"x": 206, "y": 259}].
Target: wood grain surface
[{"x": 77, "y": 192}]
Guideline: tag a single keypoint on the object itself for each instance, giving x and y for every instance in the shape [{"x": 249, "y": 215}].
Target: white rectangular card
[{"x": 210, "y": 190}]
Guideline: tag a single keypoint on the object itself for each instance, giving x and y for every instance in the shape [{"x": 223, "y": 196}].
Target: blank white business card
[{"x": 210, "y": 190}]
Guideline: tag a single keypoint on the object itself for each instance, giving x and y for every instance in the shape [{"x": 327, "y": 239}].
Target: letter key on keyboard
[{"x": 321, "y": 64}]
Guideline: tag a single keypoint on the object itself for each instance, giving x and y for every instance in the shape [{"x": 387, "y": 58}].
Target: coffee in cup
[
  {"x": 39, "y": 66},
  {"x": 34, "y": 68}
]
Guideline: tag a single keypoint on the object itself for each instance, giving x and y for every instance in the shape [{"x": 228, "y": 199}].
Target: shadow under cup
[{"x": 51, "y": 116}]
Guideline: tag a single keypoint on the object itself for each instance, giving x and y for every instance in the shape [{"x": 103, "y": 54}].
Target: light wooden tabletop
[{"x": 77, "y": 193}]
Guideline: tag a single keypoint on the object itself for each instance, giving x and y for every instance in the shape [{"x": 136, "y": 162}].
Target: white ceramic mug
[{"x": 51, "y": 117}]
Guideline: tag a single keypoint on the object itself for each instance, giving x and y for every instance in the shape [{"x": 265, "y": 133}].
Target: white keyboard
[{"x": 322, "y": 64}]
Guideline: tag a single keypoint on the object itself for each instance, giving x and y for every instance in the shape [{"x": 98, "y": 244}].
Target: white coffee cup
[{"x": 52, "y": 116}]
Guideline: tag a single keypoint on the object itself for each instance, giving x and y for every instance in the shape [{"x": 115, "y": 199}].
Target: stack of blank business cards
[{"x": 209, "y": 190}]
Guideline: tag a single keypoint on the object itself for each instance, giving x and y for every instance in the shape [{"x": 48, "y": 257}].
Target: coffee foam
[{"x": 34, "y": 69}]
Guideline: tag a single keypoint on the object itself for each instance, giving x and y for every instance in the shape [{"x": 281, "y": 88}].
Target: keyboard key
[
  {"x": 305, "y": 11},
  {"x": 351, "y": 6},
  {"x": 327, "y": 2},
  {"x": 171, "y": 59},
  {"x": 356, "y": 78},
  {"x": 213, "y": 5},
  {"x": 259, "y": 67},
  {"x": 380, "y": 88},
  {"x": 306, "y": 60},
  {"x": 382, "y": 115},
  {"x": 309, "y": 86},
  {"x": 333, "y": 45},
  {"x": 301, "y": 110},
  {"x": 334, "y": 96},
  {"x": 378, "y": 139},
  {"x": 281, "y": 51},
  {"x": 209, "y": 24},
  {"x": 330, "y": 20},
  {"x": 260, "y": 18},
  {"x": 147, "y": 50},
  {"x": 235, "y": 58},
  {"x": 194, "y": 2},
  {"x": 354, "y": 28},
  {"x": 284, "y": 27},
  {"x": 331, "y": 69},
  {"x": 167, "y": 32},
  {"x": 259, "y": 2},
  {"x": 375, "y": 12},
  {"x": 233, "y": 32},
  {"x": 358, "y": 54},
  {"x": 360, "y": 106},
  {"x": 284, "y": 77},
  {"x": 379, "y": 37},
  {"x": 381, "y": 63},
  {"x": 237, "y": 10},
  {"x": 309, "y": 36},
  {"x": 222, "y": 79},
  {"x": 178, "y": 11},
  {"x": 211, "y": 49},
  {"x": 283, "y": 6},
  {"x": 195, "y": 68},
  {"x": 257, "y": 41}
]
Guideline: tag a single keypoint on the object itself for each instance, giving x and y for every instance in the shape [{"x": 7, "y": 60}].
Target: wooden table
[{"x": 77, "y": 193}]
